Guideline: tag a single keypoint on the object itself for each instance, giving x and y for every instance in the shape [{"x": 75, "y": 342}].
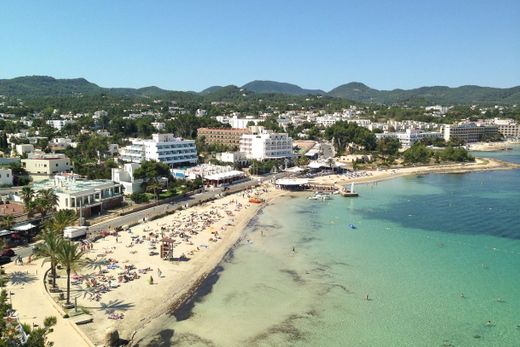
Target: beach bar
[{"x": 292, "y": 183}]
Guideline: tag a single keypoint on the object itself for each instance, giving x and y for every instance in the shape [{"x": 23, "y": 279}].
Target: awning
[
  {"x": 6, "y": 232},
  {"x": 23, "y": 227}
]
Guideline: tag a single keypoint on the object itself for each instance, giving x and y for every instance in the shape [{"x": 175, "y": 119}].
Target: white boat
[{"x": 320, "y": 196}]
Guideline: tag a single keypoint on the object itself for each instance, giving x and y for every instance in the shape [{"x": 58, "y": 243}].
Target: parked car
[
  {"x": 7, "y": 253},
  {"x": 4, "y": 260}
]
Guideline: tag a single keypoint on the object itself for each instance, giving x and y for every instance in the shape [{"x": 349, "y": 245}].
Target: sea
[{"x": 433, "y": 260}]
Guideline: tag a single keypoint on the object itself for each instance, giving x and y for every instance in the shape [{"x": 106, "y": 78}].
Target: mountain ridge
[{"x": 46, "y": 86}]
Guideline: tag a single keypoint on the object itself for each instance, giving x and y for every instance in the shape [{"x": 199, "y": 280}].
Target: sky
[{"x": 194, "y": 44}]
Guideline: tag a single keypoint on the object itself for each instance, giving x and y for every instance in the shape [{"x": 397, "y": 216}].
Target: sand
[
  {"x": 480, "y": 164},
  {"x": 138, "y": 301}
]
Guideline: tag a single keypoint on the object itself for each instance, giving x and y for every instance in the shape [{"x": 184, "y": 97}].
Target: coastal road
[{"x": 135, "y": 217}]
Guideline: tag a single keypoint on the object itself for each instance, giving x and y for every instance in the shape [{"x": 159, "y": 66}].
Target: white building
[
  {"x": 89, "y": 196},
  {"x": 125, "y": 177},
  {"x": 58, "y": 123},
  {"x": 410, "y": 136},
  {"x": 6, "y": 177},
  {"x": 159, "y": 125},
  {"x": 48, "y": 164},
  {"x": 232, "y": 157},
  {"x": 165, "y": 148},
  {"x": 242, "y": 123},
  {"x": 266, "y": 145},
  {"x": 24, "y": 148}
]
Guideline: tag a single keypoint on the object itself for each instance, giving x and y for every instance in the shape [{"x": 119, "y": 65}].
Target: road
[{"x": 135, "y": 217}]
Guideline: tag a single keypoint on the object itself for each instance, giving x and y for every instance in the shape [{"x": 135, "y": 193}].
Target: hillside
[
  {"x": 272, "y": 87},
  {"x": 356, "y": 91},
  {"x": 43, "y": 86}
]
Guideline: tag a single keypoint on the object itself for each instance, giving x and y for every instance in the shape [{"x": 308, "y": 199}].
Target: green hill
[
  {"x": 272, "y": 87},
  {"x": 356, "y": 91}
]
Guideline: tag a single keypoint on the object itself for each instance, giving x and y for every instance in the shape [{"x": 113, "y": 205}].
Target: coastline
[
  {"x": 150, "y": 307},
  {"x": 179, "y": 280},
  {"x": 480, "y": 164}
]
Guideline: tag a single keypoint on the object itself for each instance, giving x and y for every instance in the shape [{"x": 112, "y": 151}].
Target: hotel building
[
  {"x": 164, "y": 148},
  {"x": 222, "y": 136},
  {"x": 469, "y": 132},
  {"x": 266, "y": 145}
]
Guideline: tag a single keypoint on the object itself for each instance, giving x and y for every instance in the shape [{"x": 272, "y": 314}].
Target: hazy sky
[{"x": 191, "y": 45}]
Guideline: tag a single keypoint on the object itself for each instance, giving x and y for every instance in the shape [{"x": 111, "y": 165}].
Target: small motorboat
[
  {"x": 352, "y": 226},
  {"x": 256, "y": 200}
]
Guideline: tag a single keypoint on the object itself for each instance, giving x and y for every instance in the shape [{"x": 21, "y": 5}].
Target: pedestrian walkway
[{"x": 33, "y": 304}]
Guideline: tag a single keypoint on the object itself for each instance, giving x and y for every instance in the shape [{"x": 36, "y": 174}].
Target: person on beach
[
  {"x": 294, "y": 250},
  {"x": 159, "y": 273},
  {"x": 367, "y": 298}
]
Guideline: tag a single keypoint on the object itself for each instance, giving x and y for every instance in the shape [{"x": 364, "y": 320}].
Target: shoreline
[
  {"x": 180, "y": 280},
  {"x": 480, "y": 164},
  {"x": 150, "y": 329}
]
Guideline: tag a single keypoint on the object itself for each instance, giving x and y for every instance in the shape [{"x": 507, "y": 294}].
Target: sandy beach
[
  {"x": 118, "y": 290},
  {"x": 480, "y": 164},
  {"x": 127, "y": 286}
]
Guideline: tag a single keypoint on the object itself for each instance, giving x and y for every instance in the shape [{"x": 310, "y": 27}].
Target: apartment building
[
  {"x": 222, "y": 136},
  {"x": 165, "y": 148},
  {"x": 266, "y": 145},
  {"x": 48, "y": 164},
  {"x": 469, "y": 132}
]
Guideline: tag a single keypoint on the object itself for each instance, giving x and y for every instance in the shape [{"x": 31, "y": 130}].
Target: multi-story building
[
  {"x": 165, "y": 148},
  {"x": 266, "y": 145},
  {"x": 508, "y": 127},
  {"x": 410, "y": 137},
  {"x": 241, "y": 123},
  {"x": 125, "y": 177},
  {"x": 89, "y": 196},
  {"x": 58, "y": 123},
  {"x": 47, "y": 164},
  {"x": 469, "y": 132},
  {"x": 222, "y": 136}
]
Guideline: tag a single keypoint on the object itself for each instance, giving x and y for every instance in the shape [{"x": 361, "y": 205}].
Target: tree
[
  {"x": 46, "y": 201},
  {"x": 418, "y": 153},
  {"x": 388, "y": 146},
  {"x": 48, "y": 249},
  {"x": 69, "y": 256},
  {"x": 62, "y": 219},
  {"x": 27, "y": 194},
  {"x": 7, "y": 222},
  {"x": 342, "y": 133}
]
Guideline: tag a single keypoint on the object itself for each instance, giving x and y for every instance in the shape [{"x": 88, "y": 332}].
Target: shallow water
[{"x": 420, "y": 243}]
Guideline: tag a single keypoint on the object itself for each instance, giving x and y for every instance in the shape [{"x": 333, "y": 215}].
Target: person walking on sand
[{"x": 159, "y": 273}]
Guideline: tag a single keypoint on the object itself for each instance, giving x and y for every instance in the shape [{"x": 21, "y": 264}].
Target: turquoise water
[{"x": 420, "y": 243}]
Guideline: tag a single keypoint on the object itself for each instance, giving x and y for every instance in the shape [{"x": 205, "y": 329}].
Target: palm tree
[
  {"x": 69, "y": 256},
  {"x": 153, "y": 185},
  {"x": 48, "y": 249},
  {"x": 7, "y": 222},
  {"x": 50, "y": 198},
  {"x": 61, "y": 219},
  {"x": 27, "y": 194}
]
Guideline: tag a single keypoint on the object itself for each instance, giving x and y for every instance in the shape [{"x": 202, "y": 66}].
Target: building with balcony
[
  {"x": 469, "y": 132},
  {"x": 266, "y": 145},
  {"x": 89, "y": 196},
  {"x": 165, "y": 148},
  {"x": 409, "y": 137},
  {"x": 222, "y": 136}
]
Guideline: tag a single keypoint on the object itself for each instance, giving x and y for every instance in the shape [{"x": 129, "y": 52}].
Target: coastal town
[{"x": 112, "y": 220}]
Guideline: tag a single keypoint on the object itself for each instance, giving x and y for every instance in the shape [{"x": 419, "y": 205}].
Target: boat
[
  {"x": 352, "y": 226},
  {"x": 256, "y": 200},
  {"x": 320, "y": 196}
]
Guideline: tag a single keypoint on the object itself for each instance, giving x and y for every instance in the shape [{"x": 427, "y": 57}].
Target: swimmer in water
[
  {"x": 489, "y": 323},
  {"x": 462, "y": 295}
]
